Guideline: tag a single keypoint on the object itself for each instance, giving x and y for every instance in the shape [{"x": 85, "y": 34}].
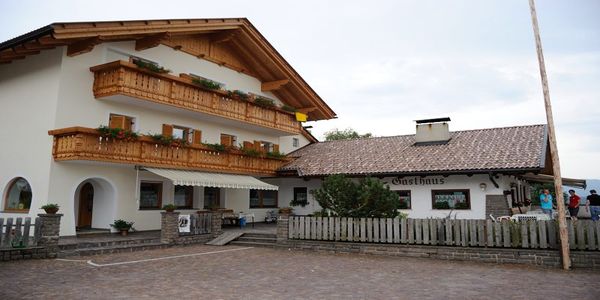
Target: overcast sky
[{"x": 382, "y": 64}]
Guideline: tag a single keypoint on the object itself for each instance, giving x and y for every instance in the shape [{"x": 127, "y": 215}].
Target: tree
[
  {"x": 346, "y": 134},
  {"x": 538, "y": 189},
  {"x": 345, "y": 198}
]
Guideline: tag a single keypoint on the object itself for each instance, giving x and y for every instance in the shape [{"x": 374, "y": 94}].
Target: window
[
  {"x": 300, "y": 197},
  {"x": 266, "y": 146},
  {"x": 18, "y": 195},
  {"x": 212, "y": 197},
  {"x": 183, "y": 133},
  {"x": 263, "y": 199},
  {"x": 295, "y": 142},
  {"x": 450, "y": 199},
  {"x": 150, "y": 195},
  {"x": 404, "y": 199},
  {"x": 184, "y": 196},
  {"x": 121, "y": 121}
]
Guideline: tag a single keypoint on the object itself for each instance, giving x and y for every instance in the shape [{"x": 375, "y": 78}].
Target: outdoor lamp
[{"x": 482, "y": 186}]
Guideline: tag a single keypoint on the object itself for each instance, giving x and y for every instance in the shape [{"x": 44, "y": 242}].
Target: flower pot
[
  {"x": 170, "y": 209},
  {"x": 124, "y": 232},
  {"x": 51, "y": 210}
]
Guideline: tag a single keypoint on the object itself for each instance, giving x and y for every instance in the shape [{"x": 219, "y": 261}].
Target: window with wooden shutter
[
  {"x": 248, "y": 145},
  {"x": 257, "y": 145},
  {"x": 167, "y": 130},
  {"x": 275, "y": 148},
  {"x": 120, "y": 121},
  {"x": 226, "y": 140}
]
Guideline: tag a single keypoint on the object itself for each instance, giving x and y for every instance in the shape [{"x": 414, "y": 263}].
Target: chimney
[{"x": 432, "y": 131}]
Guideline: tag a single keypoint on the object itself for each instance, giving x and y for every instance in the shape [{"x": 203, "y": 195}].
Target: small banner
[{"x": 184, "y": 223}]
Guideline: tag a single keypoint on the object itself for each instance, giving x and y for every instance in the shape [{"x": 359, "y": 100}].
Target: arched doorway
[
  {"x": 94, "y": 204},
  {"x": 86, "y": 206}
]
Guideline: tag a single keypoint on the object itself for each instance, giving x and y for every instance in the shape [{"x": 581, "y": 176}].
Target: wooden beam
[
  {"x": 562, "y": 222},
  {"x": 273, "y": 85},
  {"x": 82, "y": 46},
  {"x": 306, "y": 110},
  {"x": 223, "y": 37},
  {"x": 150, "y": 41}
]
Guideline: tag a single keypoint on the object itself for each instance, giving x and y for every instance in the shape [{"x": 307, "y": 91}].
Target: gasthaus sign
[{"x": 415, "y": 181}]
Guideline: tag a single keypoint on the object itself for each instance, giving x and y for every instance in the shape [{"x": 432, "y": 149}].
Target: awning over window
[
  {"x": 182, "y": 177},
  {"x": 579, "y": 183}
]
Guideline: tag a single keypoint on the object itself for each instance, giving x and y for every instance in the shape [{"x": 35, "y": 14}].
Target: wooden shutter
[
  {"x": 197, "y": 139},
  {"x": 257, "y": 146},
  {"x": 167, "y": 130},
  {"x": 248, "y": 145},
  {"x": 117, "y": 121},
  {"x": 226, "y": 140},
  {"x": 275, "y": 148}
]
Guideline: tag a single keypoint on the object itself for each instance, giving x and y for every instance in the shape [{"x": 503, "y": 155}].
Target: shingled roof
[{"x": 517, "y": 149}]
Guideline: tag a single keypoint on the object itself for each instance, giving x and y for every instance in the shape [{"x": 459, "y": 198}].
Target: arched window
[{"x": 18, "y": 195}]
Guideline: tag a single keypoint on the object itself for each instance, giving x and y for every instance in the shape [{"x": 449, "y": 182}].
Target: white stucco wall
[
  {"x": 28, "y": 100},
  {"x": 421, "y": 198}
]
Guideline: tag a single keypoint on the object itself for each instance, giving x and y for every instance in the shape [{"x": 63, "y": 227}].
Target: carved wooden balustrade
[
  {"x": 125, "y": 78},
  {"x": 80, "y": 143}
]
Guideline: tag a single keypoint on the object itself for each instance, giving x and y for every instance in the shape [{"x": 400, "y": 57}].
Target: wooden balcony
[
  {"x": 79, "y": 143},
  {"x": 126, "y": 79}
]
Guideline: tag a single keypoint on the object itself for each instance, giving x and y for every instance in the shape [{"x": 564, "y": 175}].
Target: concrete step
[
  {"x": 260, "y": 235},
  {"x": 244, "y": 238},
  {"x": 254, "y": 244},
  {"x": 112, "y": 249},
  {"x": 103, "y": 244}
]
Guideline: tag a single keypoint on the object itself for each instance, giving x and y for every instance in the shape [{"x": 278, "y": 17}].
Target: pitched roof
[
  {"x": 234, "y": 43},
  {"x": 520, "y": 148}
]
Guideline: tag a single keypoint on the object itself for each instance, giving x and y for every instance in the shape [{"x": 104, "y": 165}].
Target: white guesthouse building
[
  {"x": 226, "y": 108},
  {"x": 113, "y": 120}
]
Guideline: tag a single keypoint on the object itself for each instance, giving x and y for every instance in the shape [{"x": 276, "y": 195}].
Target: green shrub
[
  {"x": 264, "y": 102},
  {"x": 122, "y": 225},
  {"x": 288, "y": 108},
  {"x": 216, "y": 147},
  {"x": 209, "y": 84},
  {"x": 150, "y": 66},
  {"x": 276, "y": 154},
  {"x": 117, "y": 133},
  {"x": 251, "y": 152}
]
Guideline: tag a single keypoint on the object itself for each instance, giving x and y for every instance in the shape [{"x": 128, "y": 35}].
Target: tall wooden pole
[{"x": 562, "y": 222}]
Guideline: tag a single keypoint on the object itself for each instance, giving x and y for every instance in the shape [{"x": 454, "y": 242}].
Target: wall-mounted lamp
[{"x": 483, "y": 186}]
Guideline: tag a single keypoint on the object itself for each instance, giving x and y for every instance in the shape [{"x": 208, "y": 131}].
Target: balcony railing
[
  {"x": 125, "y": 78},
  {"x": 79, "y": 143}
]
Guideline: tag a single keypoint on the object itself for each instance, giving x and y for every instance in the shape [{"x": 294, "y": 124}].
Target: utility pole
[{"x": 562, "y": 222}]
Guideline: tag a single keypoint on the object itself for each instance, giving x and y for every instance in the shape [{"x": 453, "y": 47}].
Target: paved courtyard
[{"x": 231, "y": 272}]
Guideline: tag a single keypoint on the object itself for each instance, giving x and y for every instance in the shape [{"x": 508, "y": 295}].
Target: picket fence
[
  {"x": 583, "y": 234},
  {"x": 200, "y": 223},
  {"x": 16, "y": 233}
]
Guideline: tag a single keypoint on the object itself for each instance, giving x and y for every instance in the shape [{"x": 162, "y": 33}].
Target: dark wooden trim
[
  {"x": 7, "y": 192},
  {"x": 409, "y": 195},
  {"x": 160, "y": 192},
  {"x": 260, "y": 199},
  {"x": 468, "y": 193}
]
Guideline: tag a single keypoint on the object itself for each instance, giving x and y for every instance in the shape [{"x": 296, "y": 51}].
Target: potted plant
[
  {"x": 169, "y": 207},
  {"x": 285, "y": 210},
  {"x": 51, "y": 208},
  {"x": 122, "y": 226}
]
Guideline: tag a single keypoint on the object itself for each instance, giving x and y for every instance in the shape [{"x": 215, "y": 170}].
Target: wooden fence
[
  {"x": 583, "y": 234},
  {"x": 18, "y": 234},
  {"x": 200, "y": 223}
]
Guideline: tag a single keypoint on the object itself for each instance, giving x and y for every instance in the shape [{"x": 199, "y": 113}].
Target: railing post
[
  {"x": 215, "y": 223},
  {"x": 169, "y": 227},
  {"x": 283, "y": 226},
  {"x": 50, "y": 233}
]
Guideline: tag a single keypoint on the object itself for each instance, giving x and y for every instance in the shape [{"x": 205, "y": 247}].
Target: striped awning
[{"x": 182, "y": 177}]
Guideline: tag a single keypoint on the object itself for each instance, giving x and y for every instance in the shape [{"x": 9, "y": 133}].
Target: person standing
[
  {"x": 573, "y": 204},
  {"x": 593, "y": 205},
  {"x": 546, "y": 202}
]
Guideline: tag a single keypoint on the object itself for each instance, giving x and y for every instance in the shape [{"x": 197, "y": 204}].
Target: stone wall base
[
  {"x": 193, "y": 239},
  {"x": 24, "y": 253},
  {"x": 550, "y": 258}
]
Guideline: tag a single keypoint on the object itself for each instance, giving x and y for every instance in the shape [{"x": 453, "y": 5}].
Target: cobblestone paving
[{"x": 260, "y": 273}]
